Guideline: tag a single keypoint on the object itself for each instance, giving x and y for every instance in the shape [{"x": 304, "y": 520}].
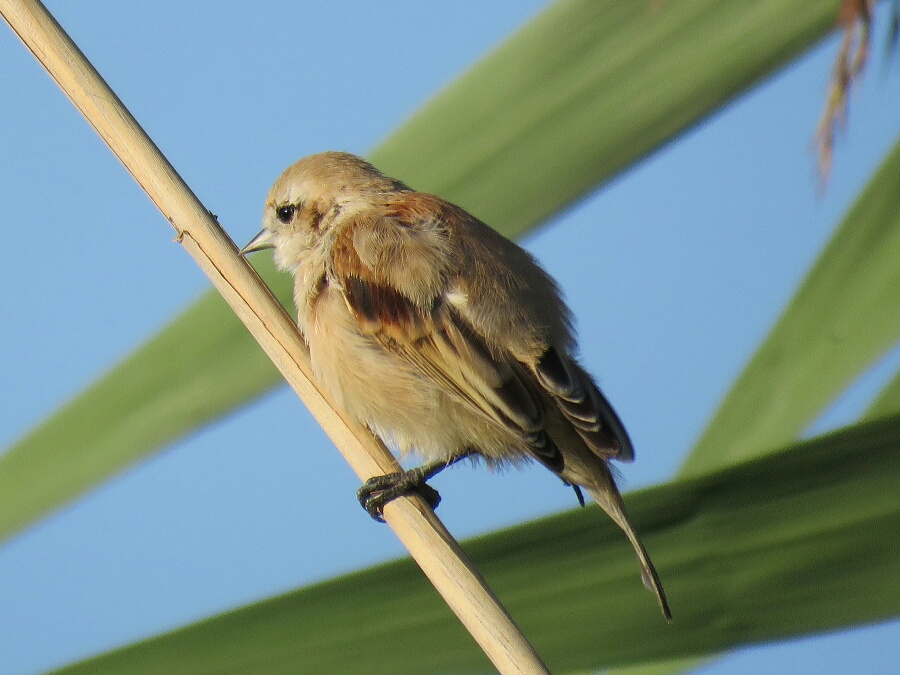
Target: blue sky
[{"x": 689, "y": 258}]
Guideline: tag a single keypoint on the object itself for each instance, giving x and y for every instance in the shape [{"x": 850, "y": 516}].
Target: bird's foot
[
  {"x": 578, "y": 492},
  {"x": 379, "y": 490}
]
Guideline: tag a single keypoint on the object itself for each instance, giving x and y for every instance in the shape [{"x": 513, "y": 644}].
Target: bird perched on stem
[{"x": 439, "y": 334}]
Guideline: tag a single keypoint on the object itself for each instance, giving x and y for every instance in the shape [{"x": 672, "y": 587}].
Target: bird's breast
[
  {"x": 374, "y": 385},
  {"x": 384, "y": 391}
]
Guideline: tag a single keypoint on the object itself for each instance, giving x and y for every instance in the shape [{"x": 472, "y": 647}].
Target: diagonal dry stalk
[{"x": 428, "y": 541}]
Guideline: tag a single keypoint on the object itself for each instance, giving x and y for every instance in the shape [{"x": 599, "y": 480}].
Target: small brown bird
[{"x": 439, "y": 334}]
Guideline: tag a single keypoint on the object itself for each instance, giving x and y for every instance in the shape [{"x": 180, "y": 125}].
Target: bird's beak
[{"x": 260, "y": 242}]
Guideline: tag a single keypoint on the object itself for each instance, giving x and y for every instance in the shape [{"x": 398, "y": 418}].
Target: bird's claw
[{"x": 379, "y": 490}]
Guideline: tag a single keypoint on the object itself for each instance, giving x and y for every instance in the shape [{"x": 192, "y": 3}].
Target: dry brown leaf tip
[{"x": 855, "y": 17}]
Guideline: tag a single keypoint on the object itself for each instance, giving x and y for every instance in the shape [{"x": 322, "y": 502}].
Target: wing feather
[{"x": 584, "y": 406}]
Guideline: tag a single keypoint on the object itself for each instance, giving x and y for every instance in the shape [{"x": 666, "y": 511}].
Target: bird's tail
[{"x": 606, "y": 494}]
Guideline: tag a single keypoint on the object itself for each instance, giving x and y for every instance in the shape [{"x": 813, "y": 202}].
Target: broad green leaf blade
[
  {"x": 578, "y": 94},
  {"x": 664, "y": 668},
  {"x": 887, "y": 402},
  {"x": 841, "y": 320},
  {"x": 803, "y": 540}
]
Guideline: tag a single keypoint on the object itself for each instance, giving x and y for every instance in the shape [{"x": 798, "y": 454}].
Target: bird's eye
[{"x": 285, "y": 213}]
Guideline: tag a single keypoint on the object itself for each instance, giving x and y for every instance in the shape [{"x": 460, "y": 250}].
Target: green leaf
[
  {"x": 802, "y": 540},
  {"x": 887, "y": 402},
  {"x": 841, "y": 320},
  {"x": 577, "y": 95}
]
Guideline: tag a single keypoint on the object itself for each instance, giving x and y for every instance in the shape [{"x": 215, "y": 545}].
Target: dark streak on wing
[
  {"x": 381, "y": 308},
  {"x": 611, "y": 421},
  {"x": 584, "y": 406},
  {"x": 545, "y": 451}
]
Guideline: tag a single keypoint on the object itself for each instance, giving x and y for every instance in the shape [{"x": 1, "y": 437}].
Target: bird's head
[{"x": 307, "y": 198}]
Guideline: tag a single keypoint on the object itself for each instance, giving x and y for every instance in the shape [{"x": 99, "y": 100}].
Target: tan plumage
[{"x": 438, "y": 333}]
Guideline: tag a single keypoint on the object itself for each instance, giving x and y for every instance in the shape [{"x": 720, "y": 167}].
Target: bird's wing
[
  {"x": 397, "y": 269},
  {"x": 584, "y": 406}
]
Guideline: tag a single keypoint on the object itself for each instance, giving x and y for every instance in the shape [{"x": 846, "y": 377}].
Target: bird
[{"x": 440, "y": 335}]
